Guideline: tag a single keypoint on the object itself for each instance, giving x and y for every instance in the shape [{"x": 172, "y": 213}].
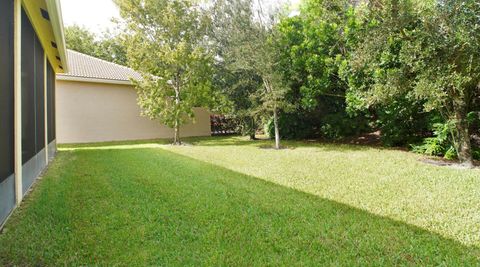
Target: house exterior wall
[
  {"x": 99, "y": 112},
  {"x": 24, "y": 109},
  {"x": 7, "y": 110}
]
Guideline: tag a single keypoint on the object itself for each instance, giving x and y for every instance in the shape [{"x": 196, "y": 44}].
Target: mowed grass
[
  {"x": 385, "y": 182},
  {"x": 140, "y": 204}
]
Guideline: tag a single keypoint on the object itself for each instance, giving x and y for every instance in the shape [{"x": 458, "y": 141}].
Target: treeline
[
  {"x": 108, "y": 46},
  {"x": 410, "y": 69}
]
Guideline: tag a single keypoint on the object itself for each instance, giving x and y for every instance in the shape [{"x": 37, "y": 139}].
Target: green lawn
[{"x": 228, "y": 201}]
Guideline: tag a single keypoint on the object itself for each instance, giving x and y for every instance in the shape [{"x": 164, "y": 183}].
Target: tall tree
[
  {"x": 246, "y": 33},
  {"x": 166, "y": 42},
  {"x": 315, "y": 48},
  {"x": 238, "y": 88},
  {"x": 108, "y": 46},
  {"x": 238, "y": 85},
  {"x": 80, "y": 39},
  {"x": 426, "y": 50}
]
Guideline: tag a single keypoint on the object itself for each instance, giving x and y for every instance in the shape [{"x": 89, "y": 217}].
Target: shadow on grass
[
  {"x": 114, "y": 143},
  {"x": 154, "y": 207},
  {"x": 232, "y": 141},
  {"x": 285, "y": 144}
]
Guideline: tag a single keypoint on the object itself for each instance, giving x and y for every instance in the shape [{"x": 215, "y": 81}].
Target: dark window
[
  {"x": 6, "y": 90},
  {"x": 28, "y": 89},
  {"x": 51, "y": 103},
  {"x": 40, "y": 94},
  {"x": 33, "y": 113},
  {"x": 44, "y": 14}
]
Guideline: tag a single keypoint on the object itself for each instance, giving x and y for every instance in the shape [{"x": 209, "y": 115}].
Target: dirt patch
[
  {"x": 447, "y": 163},
  {"x": 272, "y": 147},
  {"x": 372, "y": 139},
  {"x": 179, "y": 145},
  {"x": 369, "y": 139}
]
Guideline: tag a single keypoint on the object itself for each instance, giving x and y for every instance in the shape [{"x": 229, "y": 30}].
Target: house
[
  {"x": 32, "y": 51},
  {"x": 96, "y": 102}
]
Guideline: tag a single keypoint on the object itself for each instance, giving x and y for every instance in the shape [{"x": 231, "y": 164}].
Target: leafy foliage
[
  {"x": 246, "y": 37},
  {"x": 395, "y": 65},
  {"x": 427, "y": 51},
  {"x": 314, "y": 49},
  {"x": 293, "y": 126},
  {"x": 331, "y": 126},
  {"x": 166, "y": 43},
  {"x": 108, "y": 47},
  {"x": 402, "y": 121},
  {"x": 440, "y": 144}
]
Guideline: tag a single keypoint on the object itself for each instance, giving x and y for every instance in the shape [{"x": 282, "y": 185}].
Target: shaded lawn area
[
  {"x": 143, "y": 205},
  {"x": 385, "y": 182}
]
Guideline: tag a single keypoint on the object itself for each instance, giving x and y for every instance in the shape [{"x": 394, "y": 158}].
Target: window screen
[
  {"x": 6, "y": 90},
  {"x": 40, "y": 95},
  {"x": 28, "y": 89},
  {"x": 33, "y": 116},
  {"x": 51, "y": 103}
]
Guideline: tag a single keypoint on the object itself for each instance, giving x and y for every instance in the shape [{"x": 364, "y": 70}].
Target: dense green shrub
[
  {"x": 294, "y": 126},
  {"x": 307, "y": 125},
  {"x": 439, "y": 145},
  {"x": 473, "y": 119},
  {"x": 476, "y": 153},
  {"x": 402, "y": 122},
  {"x": 338, "y": 125}
]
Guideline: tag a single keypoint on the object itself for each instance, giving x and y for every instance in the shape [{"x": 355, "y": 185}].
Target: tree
[
  {"x": 448, "y": 64},
  {"x": 314, "y": 49},
  {"x": 246, "y": 35},
  {"x": 108, "y": 46},
  {"x": 166, "y": 42},
  {"x": 425, "y": 50},
  {"x": 237, "y": 85},
  {"x": 80, "y": 39},
  {"x": 238, "y": 88},
  {"x": 111, "y": 48}
]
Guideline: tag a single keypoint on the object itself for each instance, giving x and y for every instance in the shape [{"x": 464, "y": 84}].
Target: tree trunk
[
  {"x": 277, "y": 132},
  {"x": 176, "y": 138},
  {"x": 252, "y": 129},
  {"x": 464, "y": 146}
]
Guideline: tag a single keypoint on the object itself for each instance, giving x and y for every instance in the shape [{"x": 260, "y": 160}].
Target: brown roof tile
[{"x": 88, "y": 67}]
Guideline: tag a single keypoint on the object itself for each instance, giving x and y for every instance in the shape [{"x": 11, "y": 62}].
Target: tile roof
[{"x": 82, "y": 66}]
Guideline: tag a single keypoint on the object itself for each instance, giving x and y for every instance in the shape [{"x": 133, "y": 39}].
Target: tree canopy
[
  {"x": 407, "y": 70},
  {"x": 108, "y": 46},
  {"x": 166, "y": 42},
  {"x": 402, "y": 67}
]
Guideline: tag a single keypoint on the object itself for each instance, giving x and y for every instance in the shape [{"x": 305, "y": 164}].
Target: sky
[{"x": 100, "y": 18}]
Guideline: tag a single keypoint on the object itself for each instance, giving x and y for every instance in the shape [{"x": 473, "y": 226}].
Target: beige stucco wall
[{"x": 97, "y": 112}]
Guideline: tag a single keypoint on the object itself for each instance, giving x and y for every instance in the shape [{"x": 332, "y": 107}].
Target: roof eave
[
  {"x": 56, "y": 18},
  {"x": 61, "y": 77}
]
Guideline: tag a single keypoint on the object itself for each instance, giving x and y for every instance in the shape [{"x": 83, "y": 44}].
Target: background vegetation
[{"x": 408, "y": 70}]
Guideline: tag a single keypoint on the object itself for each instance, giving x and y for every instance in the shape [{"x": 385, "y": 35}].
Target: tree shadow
[
  {"x": 299, "y": 225},
  {"x": 215, "y": 216},
  {"x": 285, "y": 144},
  {"x": 262, "y": 143}
]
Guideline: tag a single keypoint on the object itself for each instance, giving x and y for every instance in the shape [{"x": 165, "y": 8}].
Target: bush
[
  {"x": 305, "y": 125},
  {"x": 476, "y": 153},
  {"x": 337, "y": 126},
  {"x": 439, "y": 145},
  {"x": 293, "y": 126},
  {"x": 402, "y": 122}
]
